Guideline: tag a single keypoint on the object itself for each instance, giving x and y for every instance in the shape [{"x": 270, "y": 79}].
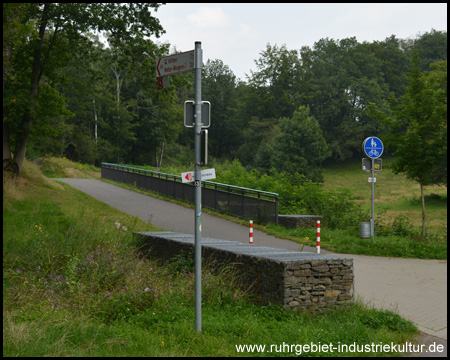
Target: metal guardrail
[{"x": 260, "y": 206}]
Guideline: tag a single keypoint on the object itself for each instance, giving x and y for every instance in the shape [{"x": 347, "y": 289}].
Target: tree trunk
[
  {"x": 95, "y": 119},
  {"x": 8, "y": 165},
  {"x": 119, "y": 81},
  {"x": 423, "y": 209},
  {"x": 29, "y": 116},
  {"x": 161, "y": 155}
]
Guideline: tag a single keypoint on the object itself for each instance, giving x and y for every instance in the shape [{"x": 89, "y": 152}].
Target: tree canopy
[
  {"x": 66, "y": 93},
  {"x": 418, "y": 128},
  {"x": 55, "y": 34}
]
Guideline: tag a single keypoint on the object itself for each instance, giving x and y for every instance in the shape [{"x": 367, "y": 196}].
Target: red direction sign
[
  {"x": 187, "y": 176},
  {"x": 207, "y": 174},
  {"x": 175, "y": 64},
  {"x": 162, "y": 82}
]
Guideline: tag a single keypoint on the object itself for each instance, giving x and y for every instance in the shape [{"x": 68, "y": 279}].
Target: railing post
[
  {"x": 243, "y": 203},
  {"x": 228, "y": 200},
  {"x": 276, "y": 210}
]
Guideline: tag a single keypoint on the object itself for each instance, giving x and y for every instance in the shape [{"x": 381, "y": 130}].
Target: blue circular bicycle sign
[{"x": 373, "y": 147}]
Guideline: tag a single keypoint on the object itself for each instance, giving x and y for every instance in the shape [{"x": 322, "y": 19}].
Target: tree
[
  {"x": 59, "y": 30},
  {"x": 437, "y": 81},
  {"x": 259, "y": 135},
  {"x": 342, "y": 78},
  {"x": 219, "y": 87},
  {"x": 395, "y": 63},
  {"x": 431, "y": 47},
  {"x": 300, "y": 147},
  {"x": 276, "y": 83},
  {"x": 418, "y": 129}
]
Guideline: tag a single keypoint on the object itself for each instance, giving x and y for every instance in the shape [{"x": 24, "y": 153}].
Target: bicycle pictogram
[{"x": 374, "y": 151}]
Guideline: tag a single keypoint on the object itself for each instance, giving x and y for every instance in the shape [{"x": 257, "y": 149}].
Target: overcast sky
[{"x": 237, "y": 33}]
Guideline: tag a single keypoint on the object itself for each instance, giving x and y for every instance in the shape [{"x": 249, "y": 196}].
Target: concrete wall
[{"x": 296, "y": 280}]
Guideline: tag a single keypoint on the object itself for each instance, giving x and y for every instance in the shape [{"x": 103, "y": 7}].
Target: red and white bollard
[
  {"x": 318, "y": 237},
  {"x": 251, "y": 232}
]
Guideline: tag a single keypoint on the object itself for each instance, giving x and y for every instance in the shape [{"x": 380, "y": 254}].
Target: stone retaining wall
[{"x": 296, "y": 280}]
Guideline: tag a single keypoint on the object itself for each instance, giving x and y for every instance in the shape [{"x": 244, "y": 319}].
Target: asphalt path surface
[{"x": 416, "y": 289}]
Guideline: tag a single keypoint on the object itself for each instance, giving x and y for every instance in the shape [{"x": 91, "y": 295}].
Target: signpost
[
  {"x": 189, "y": 114},
  {"x": 175, "y": 64},
  {"x": 198, "y": 189},
  {"x": 373, "y": 148},
  {"x": 207, "y": 174},
  {"x": 367, "y": 164},
  {"x": 163, "y": 82}
]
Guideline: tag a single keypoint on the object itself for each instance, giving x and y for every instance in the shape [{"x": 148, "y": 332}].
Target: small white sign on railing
[{"x": 207, "y": 174}]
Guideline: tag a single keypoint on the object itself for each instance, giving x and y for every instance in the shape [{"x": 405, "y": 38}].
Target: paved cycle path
[{"x": 416, "y": 289}]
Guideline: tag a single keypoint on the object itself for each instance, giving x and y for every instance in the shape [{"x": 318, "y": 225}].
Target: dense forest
[{"x": 66, "y": 93}]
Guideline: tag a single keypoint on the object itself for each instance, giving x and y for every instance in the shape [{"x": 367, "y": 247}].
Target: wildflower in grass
[
  {"x": 117, "y": 225},
  {"x": 124, "y": 228}
]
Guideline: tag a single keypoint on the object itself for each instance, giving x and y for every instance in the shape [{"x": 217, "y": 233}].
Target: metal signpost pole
[
  {"x": 170, "y": 65},
  {"x": 373, "y": 147},
  {"x": 372, "y": 222},
  {"x": 198, "y": 187}
]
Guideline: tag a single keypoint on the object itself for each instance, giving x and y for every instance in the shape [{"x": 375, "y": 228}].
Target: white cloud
[
  {"x": 236, "y": 33},
  {"x": 208, "y": 17}
]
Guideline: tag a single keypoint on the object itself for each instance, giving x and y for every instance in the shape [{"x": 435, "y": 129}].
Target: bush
[{"x": 298, "y": 195}]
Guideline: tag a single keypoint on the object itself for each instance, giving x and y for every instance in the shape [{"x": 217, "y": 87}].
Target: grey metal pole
[
  {"x": 372, "y": 225},
  {"x": 198, "y": 187}
]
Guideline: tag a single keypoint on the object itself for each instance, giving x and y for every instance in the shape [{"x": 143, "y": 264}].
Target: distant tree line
[{"x": 66, "y": 93}]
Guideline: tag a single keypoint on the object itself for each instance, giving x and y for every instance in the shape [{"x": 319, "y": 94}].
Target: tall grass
[{"x": 75, "y": 284}]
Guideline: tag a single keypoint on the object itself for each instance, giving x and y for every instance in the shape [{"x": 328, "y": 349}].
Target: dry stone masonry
[{"x": 297, "y": 280}]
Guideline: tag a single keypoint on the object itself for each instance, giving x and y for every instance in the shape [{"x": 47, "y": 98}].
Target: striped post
[
  {"x": 251, "y": 232},
  {"x": 318, "y": 237}
]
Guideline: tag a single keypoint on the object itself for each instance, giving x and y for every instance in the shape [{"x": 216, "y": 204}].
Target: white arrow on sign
[
  {"x": 206, "y": 175},
  {"x": 175, "y": 64}
]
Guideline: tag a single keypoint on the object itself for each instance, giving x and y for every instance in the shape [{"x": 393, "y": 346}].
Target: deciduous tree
[
  {"x": 58, "y": 30},
  {"x": 300, "y": 147},
  {"x": 418, "y": 129}
]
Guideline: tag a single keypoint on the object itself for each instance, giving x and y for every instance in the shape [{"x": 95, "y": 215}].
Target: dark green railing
[{"x": 259, "y": 206}]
